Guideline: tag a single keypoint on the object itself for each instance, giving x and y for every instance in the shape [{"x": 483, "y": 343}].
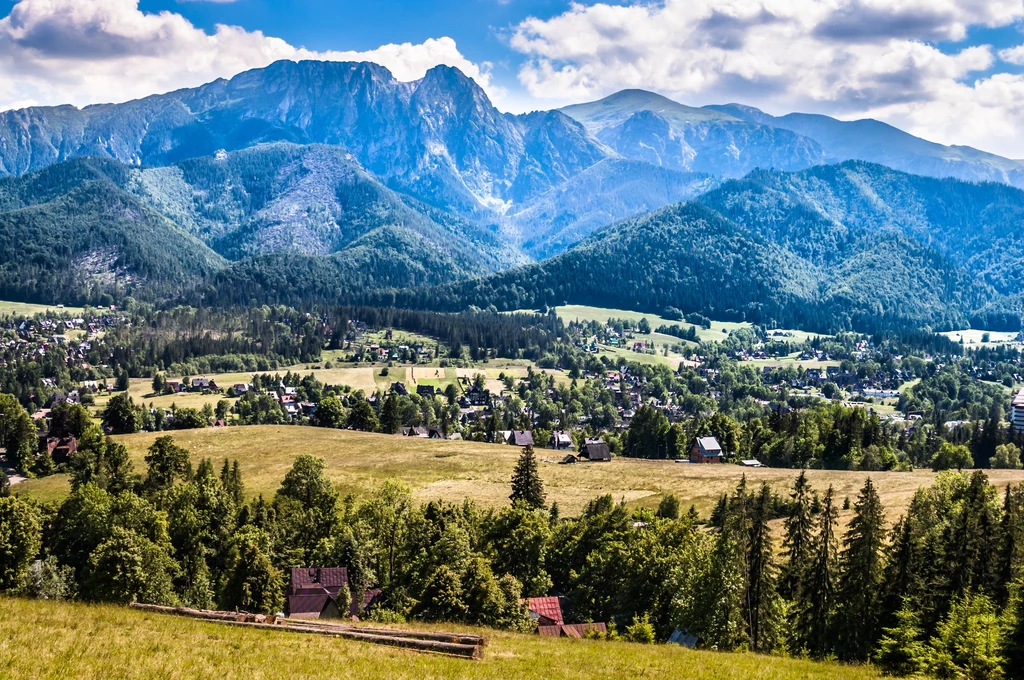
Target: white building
[{"x": 1017, "y": 412}]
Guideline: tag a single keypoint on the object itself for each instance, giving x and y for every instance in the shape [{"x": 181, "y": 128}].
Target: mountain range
[
  {"x": 849, "y": 246},
  {"x": 328, "y": 180}
]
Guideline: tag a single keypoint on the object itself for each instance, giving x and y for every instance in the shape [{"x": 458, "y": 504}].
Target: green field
[
  {"x": 358, "y": 462},
  {"x": 40, "y": 639},
  {"x": 974, "y": 337},
  {"x": 26, "y": 309},
  {"x": 793, "y": 360},
  {"x": 718, "y": 330}
]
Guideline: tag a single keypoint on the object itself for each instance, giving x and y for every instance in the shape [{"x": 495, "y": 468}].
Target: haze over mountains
[{"x": 313, "y": 180}]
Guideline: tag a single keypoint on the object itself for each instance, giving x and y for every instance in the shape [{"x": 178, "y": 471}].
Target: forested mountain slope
[
  {"x": 89, "y": 227},
  {"x": 73, "y": 232},
  {"x": 849, "y": 246}
]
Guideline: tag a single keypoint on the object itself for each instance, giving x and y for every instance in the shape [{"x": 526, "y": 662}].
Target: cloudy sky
[{"x": 948, "y": 70}]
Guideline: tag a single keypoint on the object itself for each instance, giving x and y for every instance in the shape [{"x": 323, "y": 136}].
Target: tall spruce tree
[
  {"x": 726, "y": 622},
  {"x": 764, "y": 608},
  {"x": 817, "y": 594},
  {"x": 860, "y": 577},
  {"x": 390, "y": 417},
  {"x": 1013, "y": 633},
  {"x": 796, "y": 544},
  {"x": 1011, "y": 541},
  {"x": 526, "y": 483},
  {"x": 972, "y": 548}
]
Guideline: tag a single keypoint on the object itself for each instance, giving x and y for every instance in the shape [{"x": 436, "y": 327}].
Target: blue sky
[{"x": 948, "y": 70}]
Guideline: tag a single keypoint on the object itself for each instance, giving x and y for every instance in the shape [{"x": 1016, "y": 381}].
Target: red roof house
[{"x": 546, "y": 610}]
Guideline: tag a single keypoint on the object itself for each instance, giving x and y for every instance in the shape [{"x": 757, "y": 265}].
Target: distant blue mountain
[{"x": 877, "y": 142}]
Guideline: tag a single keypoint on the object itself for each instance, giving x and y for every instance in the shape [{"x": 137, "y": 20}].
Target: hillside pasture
[
  {"x": 358, "y": 462},
  {"x": 27, "y": 309},
  {"x": 975, "y": 337},
  {"x": 41, "y": 639}
]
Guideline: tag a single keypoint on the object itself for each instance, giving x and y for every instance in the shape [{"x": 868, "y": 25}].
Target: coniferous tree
[
  {"x": 967, "y": 643},
  {"x": 1011, "y": 541},
  {"x": 390, "y": 417},
  {"x": 526, "y": 482},
  {"x": 817, "y": 595},
  {"x": 901, "y": 651},
  {"x": 902, "y": 575},
  {"x": 764, "y": 607},
  {"x": 253, "y": 583},
  {"x": 796, "y": 544},
  {"x": 118, "y": 468},
  {"x": 972, "y": 546},
  {"x": 860, "y": 577},
  {"x": 668, "y": 508},
  {"x": 166, "y": 463},
  {"x": 1013, "y": 632}
]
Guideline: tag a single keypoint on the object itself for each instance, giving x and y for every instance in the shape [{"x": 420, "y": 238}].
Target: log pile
[{"x": 451, "y": 644}]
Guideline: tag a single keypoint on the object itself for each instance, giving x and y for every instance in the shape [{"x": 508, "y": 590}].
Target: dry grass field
[
  {"x": 453, "y": 470},
  {"x": 53, "y": 640}
]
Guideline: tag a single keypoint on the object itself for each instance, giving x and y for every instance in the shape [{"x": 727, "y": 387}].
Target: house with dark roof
[
  {"x": 425, "y": 390},
  {"x": 400, "y": 389},
  {"x": 313, "y": 593},
  {"x": 595, "y": 450},
  {"x": 706, "y": 450},
  {"x": 478, "y": 397},
  {"x": 59, "y": 448},
  {"x": 519, "y": 438}
]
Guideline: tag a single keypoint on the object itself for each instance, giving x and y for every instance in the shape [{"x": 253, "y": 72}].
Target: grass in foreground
[
  {"x": 61, "y": 640},
  {"x": 357, "y": 462}
]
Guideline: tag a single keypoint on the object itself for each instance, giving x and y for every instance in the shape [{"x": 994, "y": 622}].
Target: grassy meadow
[
  {"x": 366, "y": 377},
  {"x": 40, "y": 639},
  {"x": 975, "y": 336},
  {"x": 357, "y": 462},
  {"x": 28, "y": 309},
  {"x": 718, "y": 331}
]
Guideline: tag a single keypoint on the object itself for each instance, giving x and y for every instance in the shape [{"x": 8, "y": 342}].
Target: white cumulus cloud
[
  {"x": 850, "y": 58},
  {"x": 89, "y": 51}
]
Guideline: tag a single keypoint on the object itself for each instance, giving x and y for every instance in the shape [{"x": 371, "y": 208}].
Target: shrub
[{"x": 641, "y": 630}]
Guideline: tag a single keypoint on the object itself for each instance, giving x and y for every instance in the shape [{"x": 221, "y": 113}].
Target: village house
[
  {"x": 547, "y": 612},
  {"x": 59, "y": 448},
  {"x": 313, "y": 593},
  {"x": 595, "y": 450},
  {"x": 519, "y": 438},
  {"x": 561, "y": 440},
  {"x": 706, "y": 450},
  {"x": 203, "y": 384},
  {"x": 478, "y": 397}
]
